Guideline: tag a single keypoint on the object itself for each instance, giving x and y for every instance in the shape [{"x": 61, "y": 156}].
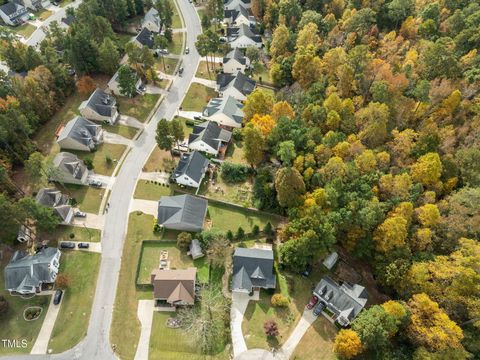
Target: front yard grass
[
  {"x": 44, "y": 14},
  {"x": 72, "y": 321},
  {"x": 148, "y": 190},
  {"x": 140, "y": 227},
  {"x": 88, "y": 198},
  {"x": 100, "y": 157},
  {"x": 138, "y": 107},
  {"x": 203, "y": 73},
  {"x": 25, "y": 30},
  {"x": 176, "y": 21},
  {"x": 230, "y": 218},
  {"x": 166, "y": 65},
  {"x": 176, "y": 46},
  {"x": 197, "y": 97},
  {"x": 122, "y": 130},
  {"x": 80, "y": 233},
  {"x": 317, "y": 343}
]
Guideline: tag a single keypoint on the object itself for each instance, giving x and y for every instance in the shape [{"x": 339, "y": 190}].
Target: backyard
[
  {"x": 197, "y": 97},
  {"x": 138, "y": 107},
  {"x": 149, "y": 190},
  {"x": 239, "y": 193},
  {"x": 71, "y": 325},
  {"x": 104, "y": 158},
  {"x": 235, "y": 153},
  {"x": 88, "y": 198}
]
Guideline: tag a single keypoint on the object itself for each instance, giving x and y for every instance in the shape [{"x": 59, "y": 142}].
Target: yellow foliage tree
[
  {"x": 282, "y": 108},
  {"x": 308, "y": 36},
  {"x": 422, "y": 239},
  {"x": 366, "y": 162},
  {"x": 428, "y": 215},
  {"x": 427, "y": 170},
  {"x": 348, "y": 344},
  {"x": 263, "y": 123},
  {"x": 395, "y": 309},
  {"x": 258, "y": 102},
  {"x": 391, "y": 234},
  {"x": 307, "y": 66},
  {"x": 404, "y": 209}
]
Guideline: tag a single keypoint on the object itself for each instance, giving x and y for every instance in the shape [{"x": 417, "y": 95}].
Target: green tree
[
  {"x": 286, "y": 152},
  {"x": 183, "y": 241},
  {"x": 290, "y": 186},
  {"x": 35, "y": 168},
  {"x": 254, "y": 145},
  {"x": 109, "y": 58},
  {"x": 127, "y": 80},
  {"x": 163, "y": 137},
  {"x": 176, "y": 130}
]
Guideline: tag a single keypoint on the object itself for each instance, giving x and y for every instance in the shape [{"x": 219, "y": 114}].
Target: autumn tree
[
  {"x": 347, "y": 344},
  {"x": 280, "y": 41},
  {"x": 290, "y": 186},
  {"x": 427, "y": 170},
  {"x": 428, "y": 215},
  {"x": 375, "y": 327},
  {"x": 307, "y": 66},
  {"x": 259, "y": 102},
  {"x": 183, "y": 241},
  {"x": 271, "y": 328},
  {"x": 254, "y": 144},
  {"x": 372, "y": 123},
  {"x": 264, "y": 123},
  {"x": 308, "y": 36},
  {"x": 86, "y": 85},
  {"x": 391, "y": 234}
]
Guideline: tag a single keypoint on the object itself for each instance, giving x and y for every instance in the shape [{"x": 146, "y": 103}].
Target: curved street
[{"x": 96, "y": 345}]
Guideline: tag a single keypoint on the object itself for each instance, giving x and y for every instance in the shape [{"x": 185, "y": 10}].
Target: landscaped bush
[
  {"x": 88, "y": 163},
  {"x": 255, "y": 230},
  {"x": 271, "y": 328},
  {"x": 234, "y": 173},
  {"x": 3, "y": 305},
  {"x": 278, "y": 300},
  {"x": 240, "y": 233},
  {"x": 183, "y": 241},
  {"x": 33, "y": 313}
]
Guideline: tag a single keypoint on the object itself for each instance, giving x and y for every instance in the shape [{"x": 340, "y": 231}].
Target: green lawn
[
  {"x": 125, "y": 131},
  {"x": 240, "y": 194},
  {"x": 178, "y": 260},
  {"x": 65, "y": 2},
  {"x": 176, "y": 21},
  {"x": 148, "y": 190},
  {"x": 80, "y": 233},
  {"x": 317, "y": 343},
  {"x": 43, "y": 14},
  {"x": 88, "y": 198},
  {"x": 176, "y": 46},
  {"x": 139, "y": 107},
  {"x": 235, "y": 153},
  {"x": 203, "y": 73},
  {"x": 230, "y": 218},
  {"x": 197, "y": 97},
  {"x": 160, "y": 160},
  {"x": 72, "y": 321},
  {"x": 99, "y": 157},
  {"x": 140, "y": 227},
  {"x": 166, "y": 65},
  {"x": 262, "y": 72},
  {"x": 25, "y": 30}
]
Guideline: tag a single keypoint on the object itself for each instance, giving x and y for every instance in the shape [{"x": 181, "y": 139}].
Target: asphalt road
[{"x": 96, "y": 345}]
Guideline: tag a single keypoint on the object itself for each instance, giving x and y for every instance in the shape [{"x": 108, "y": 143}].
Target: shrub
[
  {"x": 88, "y": 163},
  {"x": 3, "y": 305},
  {"x": 230, "y": 235},
  {"x": 237, "y": 134},
  {"x": 108, "y": 160},
  {"x": 268, "y": 229},
  {"x": 278, "y": 300},
  {"x": 183, "y": 241},
  {"x": 71, "y": 236},
  {"x": 255, "y": 230},
  {"x": 240, "y": 233},
  {"x": 234, "y": 173},
  {"x": 271, "y": 328},
  {"x": 63, "y": 281}
]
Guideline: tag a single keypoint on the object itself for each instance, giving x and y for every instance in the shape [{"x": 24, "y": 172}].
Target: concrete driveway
[
  {"x": 289, "y": 346},
  {"x": 93, "y": 221},
  {"x": 41, "y": 344},
  {"x": 239, "y": 305},
  {"x": 112, "y": 138},
  {"x": 130, "y": 121},
  {"x": 145, "y": 315},
  {"x": 145, "y": 206}
]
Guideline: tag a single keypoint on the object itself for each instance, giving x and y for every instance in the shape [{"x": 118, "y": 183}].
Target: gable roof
[
  {"x": 174, "y": 285},
  {"x": 210, "y": 133},
  {"x": 68, "y": 19},
  {"x": 253, "y": 268},
  {"x": 235, "y": 12},
  {"x": 152, "y": 16},
  {"x": 25, "y": 270},
  {"x": 230, "y": 3},
  {"x": 13, "y": 9},
  {"x": 70, "y": 163},
  {"x": 101, "y": 102},
  {"x": 240, "y": 81},
  {"x": 235, "y": 54},
  {"x": 195, "y": 249},
  {"x": 192, "y": 165},
  {"x": 182, "y": 210},
  {"x": 81, "y": 130},
  {"x": 145, "y": 38},
  {"x": 243, "y": 30},
  {"x": 51, "y": 197},
  {"x": 229, "y": 106}
]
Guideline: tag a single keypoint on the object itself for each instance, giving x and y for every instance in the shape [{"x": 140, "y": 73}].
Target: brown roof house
[{"x": 176, "y": 287}]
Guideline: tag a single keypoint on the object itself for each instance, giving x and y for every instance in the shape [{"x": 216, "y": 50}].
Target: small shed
[
  {"x": 196, "y": 249},
  {"x": 330, "y": 260}
]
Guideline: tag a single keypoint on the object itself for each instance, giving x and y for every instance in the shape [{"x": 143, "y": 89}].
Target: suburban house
[
  {"x": 243, "y": 36},
  {"x": 114, "y": 86},
  {"x": 191, "y": 169},
  {"x": 252, "y": 270},
  {"x": 26, "y": 273},
  {"x": 226, "y": 111},
  {"x": 151, "y": 21},
  {"x": 182, "y": 212},
  {"x": 238, "y": 86},
  {"x": 80, "y": 134},
  {"x": 210, "y": 138},
  {"x": 235, "y": 62},
  {"x": 144, "y": 38},
  {"x": 100, "y": 106},
  {"x": 232, "y": 4},
  {"x": 13, "y": 14},
  {"x": 175, "y": 287},
  {"x": 34, "y": 5},
  {"x": 54, "y": 199},
  {"x": 344, "y": 301},
  {"x": 195, "y": 250},
  {"x": 68, "y": 168},
  {"x": 238, "y": 16}
]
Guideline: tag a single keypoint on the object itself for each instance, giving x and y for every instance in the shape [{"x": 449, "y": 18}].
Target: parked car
[
  {"x": 197, "y": 117},
  {"x": 95, "y": 183},
  {"x": 32, "y": 16},
  {"x": 187, "y": 50},
  {"x": 180, "y": 71},
  {"x": 312, "y": 302},
  {"x": 57, "y": 297},
  {"x": 55, "y": 3},
  {"x": 307, "y": 271},
  {"x": 79, "y": 213},
  {"x": 67, "y": 245},
  {"x": 83, "y": 245},
  {"x": 318, "y": 309}
]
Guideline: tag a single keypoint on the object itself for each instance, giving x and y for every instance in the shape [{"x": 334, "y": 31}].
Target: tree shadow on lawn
[{"x": 273, "y": 342}]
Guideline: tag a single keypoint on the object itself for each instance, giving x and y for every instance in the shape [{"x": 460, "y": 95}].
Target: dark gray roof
[
  {"x": 68, "y": 20},
  {"x": 81, "y": 130},
  {"x": 52, "y": 198},
  {"x": 145, "y": 38},
  {"x": 29, "y": 270},
  {"x": 236, "y": 12},
  {"x": 193, "y": 165},
  {"x": 253, "y": 268},
  {"x": 182, "y": 212},
  {"x": 102, "y": 103},
  {"x": 228, "y": 2},
  {"x": 244, "y": 30},
  {"x": 240, "y": 81},
  {"x": 70, "y": 163},
  {"x": 12, "y": 9},
  {"x": 237, "y": 55},
  {"x": 210, "y": 133},
  {"x": 229, "y": 106},
  {"x": 345, "y": 300}
]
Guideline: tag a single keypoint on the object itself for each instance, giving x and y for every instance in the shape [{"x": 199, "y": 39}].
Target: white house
[
  {"x": 232, "y": 4},
  {"x": 114, "y": 86},
  {"x": 226, "y": 111},
  {"x": 238, "y": 16},
  {"x": 80, "y": 134},
  {"x": 235, "y": 62},
  {"x": 151, "y": 20},
  {"x": 13, "y": 14},
  {"x": 191, "y": 169},
  {"x": 68, "y": 168},
  {"x": 35, "y": 5},
  {"x": 100, "y": 106},
  {"x": 242, "y": 37},
  {"x": 209, "y": 137},
  {"x": 238, "y": 86}
]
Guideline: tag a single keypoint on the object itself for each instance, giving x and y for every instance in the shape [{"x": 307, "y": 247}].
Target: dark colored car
[
  {"x": 318, "y": 309},
  {"x": 197, "y": 117},
  {"x": 67, "y": 245},
  {"x": 83, "y": 245},
  {"x": 95, "y": 183},
  {"x": 307, "y": 271},
  {"x": 57, "y": 297},
  {"x": 312, "y": 302}
]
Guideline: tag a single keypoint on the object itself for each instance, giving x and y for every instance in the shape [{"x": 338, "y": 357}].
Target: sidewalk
[
  {"x": 145, "y": 315},
  {"x": 41, "y": 344}
]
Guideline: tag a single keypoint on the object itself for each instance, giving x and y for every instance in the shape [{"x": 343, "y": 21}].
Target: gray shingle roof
[
  {"x": 236, "y": 12},
  {"x": 70, "y": 163},
  {"x": 229, "y": 106},
  {"x": 145, "y": 38},
  {"x": 81, "y": 130},
  {"x": 152, "y": 16},
  {"x": 243, "y": 30},
  {"x": 102, "y": 103},
  {"x": 52, "y": 198},
  {"x": 253, "y": 268},
  {"x": 195, "y": 249},
  {"x": 229, "y": 2},
  {"x": 29, "y": 270},
  {"x": 241, "y": 82},
  {"x": 182, "y": 212},
  {"x": 193, "y": 165},
  {"x": 210, "y": 133},
  {"x": 237, "y": 55},
  {"x": 12, "y": 9},
  {"x": 68, "y": 20}
]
